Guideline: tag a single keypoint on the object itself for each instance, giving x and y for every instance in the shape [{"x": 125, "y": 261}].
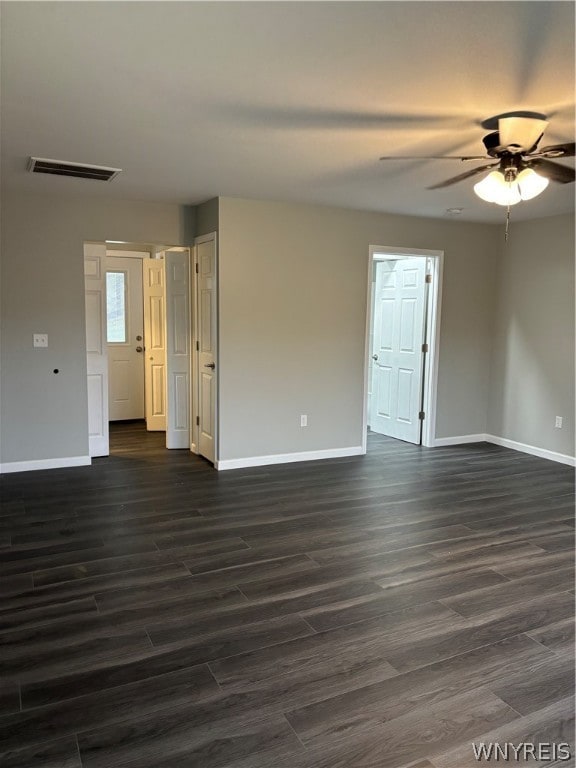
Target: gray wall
[
  {"x": 293, "y": 301},
  {"x": 207, "y": 215},
  {"x": 44, "y": 415},
  {"x": 532, "y": 376},
  {"x": 293, "y": 282}
]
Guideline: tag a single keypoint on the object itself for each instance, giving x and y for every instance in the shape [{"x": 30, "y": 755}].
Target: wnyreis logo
[{"x": 493, "y": 750}]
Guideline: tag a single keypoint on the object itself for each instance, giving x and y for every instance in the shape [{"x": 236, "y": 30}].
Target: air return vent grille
[{"x": 77, "y": 170}]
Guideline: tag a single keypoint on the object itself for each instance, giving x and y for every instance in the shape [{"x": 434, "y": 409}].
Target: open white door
[
  {"x": 155, "y": 344},
  {"x": 397, "y": 353},
  {"x": 177, "y": 273},
  {"x": 206, "y": 345},
  {"x": 96, "y": 347}
]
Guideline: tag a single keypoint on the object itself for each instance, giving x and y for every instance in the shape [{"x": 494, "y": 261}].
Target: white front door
[
  {"x": 177, "y": 273},
  {"x": 96, "y": 352},
  {"x": 125, "y": 336},
  {"x": 155, "y": 338},
  {"x": 206, "y": 345},
  {"x": 397, "y": 352}
]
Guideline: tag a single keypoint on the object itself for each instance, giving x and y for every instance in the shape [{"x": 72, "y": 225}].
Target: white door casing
[
  {"x": 398, "y": 357},
  {"x": 177, "y": 274},
  {"x": 126, "y": 356},
  {"x": 206, "y": 336},
  {"x": 155, "y": 343},
  {"x": 96, "y": 348}
]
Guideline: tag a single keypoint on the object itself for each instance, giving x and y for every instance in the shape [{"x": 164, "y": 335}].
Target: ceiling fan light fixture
[
  {"x": 511, "y": 188},
  {"x": 495, "y": 189},
  {"x": 530, "y": 183}
]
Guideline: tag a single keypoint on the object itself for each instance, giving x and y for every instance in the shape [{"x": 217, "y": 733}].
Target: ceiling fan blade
[
  {"x": 292, "y": 117},
  {"x": 553, "y": 171},
  {"x": 556, "y": 150},
  {"x": 436, "y": 157},
  {"x": 462, "y": 176}
]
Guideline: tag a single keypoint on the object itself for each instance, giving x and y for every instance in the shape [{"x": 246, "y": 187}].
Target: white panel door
[
  {"x": 96, "y": 352},
  {"x": 177, "y": 265},
  {"x": 397, "y": 355},
  {"x": 207, "y": 351},
  {"x": 155, "y": 343},
  {"x": 125, "y": 332}
]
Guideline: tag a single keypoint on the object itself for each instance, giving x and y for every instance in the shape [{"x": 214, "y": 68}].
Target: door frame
[
  {"x": 135, "y": 254},
  {"x": 433, "y": 312},
  {"x": 194, "y": 360}
]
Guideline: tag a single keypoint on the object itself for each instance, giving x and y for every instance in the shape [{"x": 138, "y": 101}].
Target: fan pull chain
[{"x": 507, "y": 224}]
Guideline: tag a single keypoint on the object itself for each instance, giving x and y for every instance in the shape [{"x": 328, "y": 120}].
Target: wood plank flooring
[{"x": 384, "y": 611}]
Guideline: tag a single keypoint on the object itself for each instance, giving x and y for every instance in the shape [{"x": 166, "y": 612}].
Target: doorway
[
  {"x": 402, "y": 342},
  {"x": 103, "y": 275}
]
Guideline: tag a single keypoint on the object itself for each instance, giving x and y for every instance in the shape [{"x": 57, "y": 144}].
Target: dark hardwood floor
[{"x": 381, "y": 611}]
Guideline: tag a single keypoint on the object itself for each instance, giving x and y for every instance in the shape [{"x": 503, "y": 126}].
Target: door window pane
[{"x": 116, "y": 306}]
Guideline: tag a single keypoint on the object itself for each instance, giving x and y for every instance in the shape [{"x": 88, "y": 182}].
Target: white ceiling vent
[{"x": 77, "y": 170}]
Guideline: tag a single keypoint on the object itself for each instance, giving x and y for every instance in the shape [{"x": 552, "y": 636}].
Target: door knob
[
  {"x": 139, "y": 349},
  {"x": 210, "y": 365},
  {"x": 374, "y": 357}
]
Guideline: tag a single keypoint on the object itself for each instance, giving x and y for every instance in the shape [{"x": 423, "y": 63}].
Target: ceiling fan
[{"x": 522, "y": 171}]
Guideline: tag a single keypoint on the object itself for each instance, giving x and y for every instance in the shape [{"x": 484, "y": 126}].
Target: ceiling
[{"x": 281, "y": 100}]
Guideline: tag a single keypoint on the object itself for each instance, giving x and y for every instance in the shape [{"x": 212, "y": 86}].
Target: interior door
[
  {"x": 397, "y": 353},
  {"x": 155, "y": 343},
  {"x": 125, "y": 332},
  {"x": 96, "y": 352},
  {"x": 206, "y": 346},
  {"x": 177, "y": 266}
]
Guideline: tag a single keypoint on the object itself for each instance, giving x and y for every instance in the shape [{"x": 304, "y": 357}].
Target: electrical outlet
[
  {"x": 558, "y": 424},
  {"x": 303, "y": 420},
  {"x": 40, "y": 339}
]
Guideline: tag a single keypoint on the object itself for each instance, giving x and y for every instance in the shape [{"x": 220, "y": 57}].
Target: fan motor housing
[{"x": 495, "y": 149}]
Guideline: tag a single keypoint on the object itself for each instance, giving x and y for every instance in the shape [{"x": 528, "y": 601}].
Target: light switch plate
[{"x": 40, "y": 339}]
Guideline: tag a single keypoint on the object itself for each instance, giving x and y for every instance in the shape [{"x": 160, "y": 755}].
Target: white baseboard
[
  {"x": 460, "y": 440},
  {"x": 30, "y": 466},
  {"x": 543, "y": 453},
  {"x": 286, "y": 458}
]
